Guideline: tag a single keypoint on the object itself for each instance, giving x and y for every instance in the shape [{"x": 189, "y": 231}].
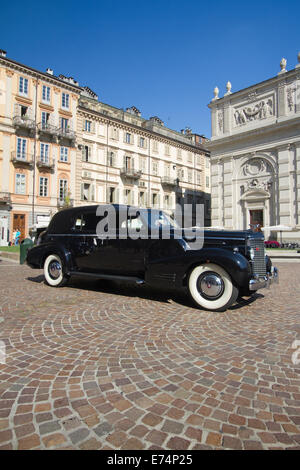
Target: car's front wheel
[
  {"x": 211, "y": 287},
  {"x": 53, "y": 271}
]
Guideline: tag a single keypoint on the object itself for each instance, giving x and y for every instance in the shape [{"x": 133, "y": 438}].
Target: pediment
[{"x": 255, "y": 194}]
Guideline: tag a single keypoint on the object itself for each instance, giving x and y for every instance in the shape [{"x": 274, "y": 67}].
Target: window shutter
[{"x": 81, "y": 191}]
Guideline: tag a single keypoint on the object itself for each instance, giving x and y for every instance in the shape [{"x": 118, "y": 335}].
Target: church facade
[{"x": 255, "y": 155}]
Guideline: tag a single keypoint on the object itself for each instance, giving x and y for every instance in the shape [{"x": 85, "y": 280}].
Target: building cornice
[
  {"x": 16, "y": 66},
  {"x": 86, "y": 112}
]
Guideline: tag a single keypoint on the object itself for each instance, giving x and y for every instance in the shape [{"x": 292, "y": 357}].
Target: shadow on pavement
[{"x": 143, "y": 292}]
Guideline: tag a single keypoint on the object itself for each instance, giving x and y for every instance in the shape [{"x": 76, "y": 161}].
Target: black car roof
[{"x": 63, "y": 220}]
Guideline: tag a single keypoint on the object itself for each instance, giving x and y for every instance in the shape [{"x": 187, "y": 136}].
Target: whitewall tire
[
  {"x": 53, "y": 271},
  {"x": 211, "y": 288}
]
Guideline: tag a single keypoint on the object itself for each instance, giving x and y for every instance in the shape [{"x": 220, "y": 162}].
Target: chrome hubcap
[
  {"x": 54, "y": 269},
  {"x": 210, "y": 285}
]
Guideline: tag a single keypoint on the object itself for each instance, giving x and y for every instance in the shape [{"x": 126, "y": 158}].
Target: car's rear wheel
[
  {"x": 53, "y": 271},
  {"x": 211, "y": 287}
]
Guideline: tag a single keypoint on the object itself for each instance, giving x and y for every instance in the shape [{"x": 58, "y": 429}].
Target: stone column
[
  {"x": 297, "y": 185},
  {"x": 214, "y": 121},
  {"x": 227, "y": 192},
  {"x": 282, "y": 108},
  {"x": 284, "y": 185},
  {"x": 227, "y": 120}
]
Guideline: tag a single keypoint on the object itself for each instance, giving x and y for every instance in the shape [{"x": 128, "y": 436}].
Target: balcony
[
  {"x": 66, "y": 133},
  {"x": 44, "y": 162},
  {"x": 47, "y": 128},
  {"x": 22, "y": 159},
  {"x": 170, "y": 182},
  {"x": 64, "y": 203},
  {"x": 5, "y": 198},
  {"x": 24, "y": 122},
  {"x": 131, "y": 173}
]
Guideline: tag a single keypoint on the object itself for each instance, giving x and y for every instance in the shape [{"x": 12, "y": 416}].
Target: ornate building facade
[
  {"x": 37, "y": 145},
  {"x": 124, "y": 158},
  {"x": 255, "y": 154},
  {"x": 60, "y": 146}
]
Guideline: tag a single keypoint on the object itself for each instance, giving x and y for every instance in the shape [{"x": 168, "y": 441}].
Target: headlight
[{"x": 251, "y": 253}]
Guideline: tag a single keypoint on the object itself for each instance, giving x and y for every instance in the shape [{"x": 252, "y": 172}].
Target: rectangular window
[
  {"x": 167, "y": 149},
  {"x": 65, "y": 100},
  {"x": 155, "y": 146},
  {"x": 45, "y": 119},
  {"x": 143, "y": 164},
  {"x": 43, "y": 187},
  {"x": 63, "y": 189},
  {"x": 87, "y": 192},
  {"x": 45, "y": 152},
  {"x": 64, "y": 123},
  {"x": 127, "y": 138},
  {"x": 142, "y": 142},
  {"x": 23, "y": 86},
  {"x": 111, "y": 159},
  {"x": 88, "y": 126},
  {"x": 127, "y": 196},
  {"x": 63, "y": 154},
  {"x": 190, "y": 176},
  {"x": 86, "y": 153},
  {"x": 207, "y": 181},
  {"x": 154, "y": 168},
  {"x": 20, "y": 187},
  {"x": 46, "y": 94},
  {"x": 111, "y": 195},
  {"x": 21, "y": 148},
  {"x": 154, "y": 199},
  {"x": 179, "y": 154}
]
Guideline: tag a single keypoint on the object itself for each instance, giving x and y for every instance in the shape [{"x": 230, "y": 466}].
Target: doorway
[
  {"x": 19, "y": 223},
  {"x": 257, "y": 217}
]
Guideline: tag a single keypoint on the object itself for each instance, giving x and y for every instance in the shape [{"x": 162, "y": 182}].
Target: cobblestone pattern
[{"x": 100, "y": 366}]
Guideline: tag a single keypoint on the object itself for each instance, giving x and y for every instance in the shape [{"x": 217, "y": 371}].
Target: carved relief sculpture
[
  {"x": 291, "y": 98},
  {"x": 220, "y": 120},
  {"x": 261, "y": 110}
]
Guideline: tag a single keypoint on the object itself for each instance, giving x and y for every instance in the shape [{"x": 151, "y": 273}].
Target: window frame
[
  {"x": 43, "y": 186},
  {"x": 20, "y": 184},
  {"x": 65, "y": 100},
  {"x": 23, "y": 86}
]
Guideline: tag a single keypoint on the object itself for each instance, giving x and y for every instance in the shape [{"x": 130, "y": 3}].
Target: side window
[{"x": 86, "y": 223}]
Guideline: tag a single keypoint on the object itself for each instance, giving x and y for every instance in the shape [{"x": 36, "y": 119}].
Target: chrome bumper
[{"x": 265, "y": 281}]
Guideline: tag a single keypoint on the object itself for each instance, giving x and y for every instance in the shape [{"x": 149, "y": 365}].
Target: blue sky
[{"x": 164, "y": 57}]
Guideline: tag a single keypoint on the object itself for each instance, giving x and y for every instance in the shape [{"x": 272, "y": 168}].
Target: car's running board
[{"x": 111, "y": 277}]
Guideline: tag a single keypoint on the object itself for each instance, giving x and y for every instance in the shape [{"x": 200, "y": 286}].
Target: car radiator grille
[{"x": 259, "y": 263}]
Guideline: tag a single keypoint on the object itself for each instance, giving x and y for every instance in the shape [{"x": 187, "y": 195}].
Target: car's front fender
[{"x": 174, "y": 270}]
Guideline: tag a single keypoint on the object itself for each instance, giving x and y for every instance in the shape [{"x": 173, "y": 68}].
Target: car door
[{"x": 92, "y": 250}]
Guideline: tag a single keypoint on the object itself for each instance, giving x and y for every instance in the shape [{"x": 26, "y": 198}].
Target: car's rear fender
[{"x": 37, "y": 255}]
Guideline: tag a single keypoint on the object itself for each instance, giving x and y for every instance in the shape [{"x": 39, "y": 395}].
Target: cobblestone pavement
[{"x": 101, "y": 366}]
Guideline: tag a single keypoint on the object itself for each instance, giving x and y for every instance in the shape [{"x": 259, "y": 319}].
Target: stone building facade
[
  {"x": 125, "y": 158},
  {"x": 38, "y": 114},
  {"x": 255, "y": 155},
  {"x": 60, "y": 146}
]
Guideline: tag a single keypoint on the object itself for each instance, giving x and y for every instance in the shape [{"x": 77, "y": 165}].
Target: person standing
[{"x": 17, "y": 238}]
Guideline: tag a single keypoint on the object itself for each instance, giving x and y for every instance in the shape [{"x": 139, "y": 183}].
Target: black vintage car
[{"x": 78, "y": 241}]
